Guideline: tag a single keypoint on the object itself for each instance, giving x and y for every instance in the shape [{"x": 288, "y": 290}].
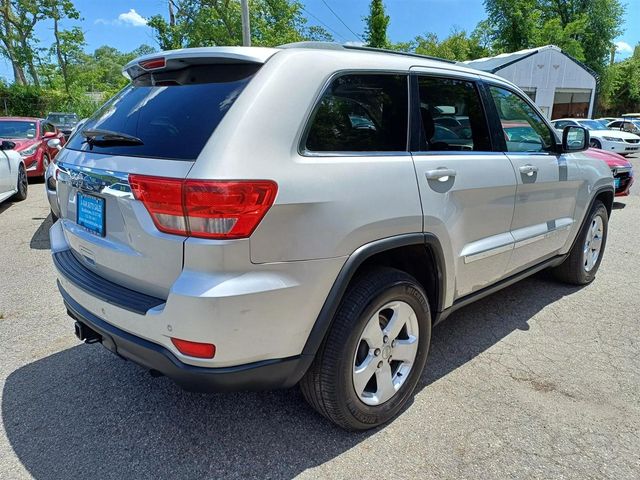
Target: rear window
[
  {"x": 361, "y": 113},
  {"x": 172, "y": 113}
]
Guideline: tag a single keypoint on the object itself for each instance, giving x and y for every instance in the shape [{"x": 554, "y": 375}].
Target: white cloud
[
  {"x": 624, "y": 47},
  {"x": 132, "y": 18}
]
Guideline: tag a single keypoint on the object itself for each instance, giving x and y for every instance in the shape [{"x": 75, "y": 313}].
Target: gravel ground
[{"x": 540, "y": 380}]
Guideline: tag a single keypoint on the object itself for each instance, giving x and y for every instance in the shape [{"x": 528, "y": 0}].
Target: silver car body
[{"x": 258, "y": 299}]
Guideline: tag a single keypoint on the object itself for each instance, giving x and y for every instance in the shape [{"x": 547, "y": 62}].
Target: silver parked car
[{"x": 253, "y": 218}]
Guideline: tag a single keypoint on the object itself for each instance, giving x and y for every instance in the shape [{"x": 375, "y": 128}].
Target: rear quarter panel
[{"x": 327, "y": 206}]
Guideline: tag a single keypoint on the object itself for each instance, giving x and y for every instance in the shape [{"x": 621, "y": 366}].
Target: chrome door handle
[
  {"x": 440, "y": 174},
  {"x": 528, "y": 170}
]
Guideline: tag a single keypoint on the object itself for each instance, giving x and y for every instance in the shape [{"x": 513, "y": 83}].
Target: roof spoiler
[{"x": 178, "y": 59}]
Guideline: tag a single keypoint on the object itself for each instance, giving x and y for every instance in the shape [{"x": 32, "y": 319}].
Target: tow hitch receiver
[{"x": 85, "y": 334}]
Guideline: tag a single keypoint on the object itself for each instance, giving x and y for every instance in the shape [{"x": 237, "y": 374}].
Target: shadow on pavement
[
  {"x": 83, "y": 413},
  {"x": 619, "y": 205},
  {"x": 40, "y": 239},
  {"x": 6, "y": 205}
]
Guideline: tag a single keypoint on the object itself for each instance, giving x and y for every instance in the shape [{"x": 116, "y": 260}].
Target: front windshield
[
  {"x": 592, "y": 124},
  {"x": 17, "y": 129}
]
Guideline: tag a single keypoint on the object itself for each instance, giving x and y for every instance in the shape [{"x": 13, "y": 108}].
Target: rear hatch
[{"x": 157, "y": 126}]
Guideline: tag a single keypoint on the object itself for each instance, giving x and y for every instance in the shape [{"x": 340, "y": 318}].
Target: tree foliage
[
  {"x": 376, "y": 23},
  {"x": 457, "y": 46},
  {"x": 583, "y": 28},
  {"x": 204, "y": 23}
]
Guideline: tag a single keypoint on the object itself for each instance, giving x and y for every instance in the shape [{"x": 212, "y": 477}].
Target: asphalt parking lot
[{"x": 540, "y": 380}]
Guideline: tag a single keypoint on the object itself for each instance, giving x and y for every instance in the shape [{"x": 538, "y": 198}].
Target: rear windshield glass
[{"x": 173, "y": 113}]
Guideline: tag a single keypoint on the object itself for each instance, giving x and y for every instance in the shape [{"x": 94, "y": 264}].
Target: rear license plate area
[{"x": 91, "y": 213}]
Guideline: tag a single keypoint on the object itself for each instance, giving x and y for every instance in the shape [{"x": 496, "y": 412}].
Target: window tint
[
  {"x": 173, "y": 113},
  {"x": 360, "y": 113},
  {"x": 452, "y": 116},
  {"x": 47, "y": 127},
  {"x": 524, "y": 129}
]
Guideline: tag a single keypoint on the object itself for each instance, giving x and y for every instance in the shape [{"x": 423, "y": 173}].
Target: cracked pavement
[{"x": 540, "y": 380}]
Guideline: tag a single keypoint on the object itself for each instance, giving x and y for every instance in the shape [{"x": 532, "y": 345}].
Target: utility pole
[{"x": 246, "y": 30}]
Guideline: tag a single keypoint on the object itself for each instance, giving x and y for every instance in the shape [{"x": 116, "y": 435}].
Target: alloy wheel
[
  {"x": 593, "y": 243},
  {"x": 385, "y": 353}
]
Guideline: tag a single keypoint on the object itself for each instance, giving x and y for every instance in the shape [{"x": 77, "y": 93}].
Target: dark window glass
[
  {"x": 19, "y": 129},
  {"x": 452, "y": 116},
  {"x": 47, "y": 127},
  {"x": 524, "y": 129},
  {"x": 360, "y": 113},
  {"x": 173, "y": 113}
]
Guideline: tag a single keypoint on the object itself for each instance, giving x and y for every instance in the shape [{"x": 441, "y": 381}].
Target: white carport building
[{"x": 558, "y": 83}]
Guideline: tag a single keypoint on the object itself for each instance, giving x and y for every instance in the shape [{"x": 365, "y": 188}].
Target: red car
[
  {"x": 31, "y": 136},
  {"x": 620, "y": 167}
]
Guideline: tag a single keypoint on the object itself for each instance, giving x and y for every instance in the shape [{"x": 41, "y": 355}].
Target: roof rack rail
[
  {"x": 339, "y": 46},
  {"x": 316, "y": 45},
  {"x": 398, "y": 52}
]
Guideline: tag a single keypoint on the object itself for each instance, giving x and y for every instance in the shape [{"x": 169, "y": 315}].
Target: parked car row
[{"x": 604, "y": 136}]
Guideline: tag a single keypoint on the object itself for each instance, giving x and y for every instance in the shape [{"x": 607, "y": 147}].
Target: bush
[{"x": 31, "y": 101}]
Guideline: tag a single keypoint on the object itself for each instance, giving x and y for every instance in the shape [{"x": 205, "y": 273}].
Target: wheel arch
[{"x": 419, "y": 254}]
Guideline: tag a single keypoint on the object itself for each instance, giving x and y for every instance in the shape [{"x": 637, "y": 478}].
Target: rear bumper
[{"x": 262, "y": 375}]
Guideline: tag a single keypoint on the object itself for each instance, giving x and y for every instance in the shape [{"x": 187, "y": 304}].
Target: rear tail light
[
  {"x": 217, "y": 209},
  {"x": 194, "y": 349}
]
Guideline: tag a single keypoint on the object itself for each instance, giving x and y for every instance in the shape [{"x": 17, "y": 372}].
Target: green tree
[
  {"x": 457, "y": 46},
  {"x": 594, "y": 24},
  {"x": 583, "y": 28},
  {"x": 68, "y": 44},
  {"x": 512, "y": 23},
  {"x": 198, "y": 23},
  {"x": 377, "y": 23}
]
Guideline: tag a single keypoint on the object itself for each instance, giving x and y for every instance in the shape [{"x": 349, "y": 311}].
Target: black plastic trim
[
  {"x": 325, "y": 318},
  {"x": 472, "y": 297},
  {"x": 88, "y": 281},
  {"x": 263, "y": 375}
]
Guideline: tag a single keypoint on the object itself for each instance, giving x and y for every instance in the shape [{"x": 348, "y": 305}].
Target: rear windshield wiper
[{"x": 103, "y": 138}]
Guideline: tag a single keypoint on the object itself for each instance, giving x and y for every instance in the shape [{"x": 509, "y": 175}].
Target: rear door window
[
  {"x": 361, "y": 113},
  {"x": 172, "y": 113},
  {"x": 452, "y": 117}
]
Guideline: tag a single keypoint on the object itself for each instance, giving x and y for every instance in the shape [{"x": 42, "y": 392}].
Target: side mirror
[
  {"x": 575, "y": 139},
  {"x": 54, "y": 143},
  {"x": 7, "y": 145},
  {"x": 49, "y": 134}
]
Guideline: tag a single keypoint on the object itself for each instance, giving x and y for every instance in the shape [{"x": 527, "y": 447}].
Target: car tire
[
  {"x": 584, "y": 259},
  {"x": 371, "y": 307},
  {"x": 22, "y": 185},
  {"x": 45, "y": 164},
  {"x": 594, "y": 143}
]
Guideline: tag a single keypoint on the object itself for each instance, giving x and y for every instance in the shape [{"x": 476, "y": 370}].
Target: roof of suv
[{"x": 360, "y": 57}]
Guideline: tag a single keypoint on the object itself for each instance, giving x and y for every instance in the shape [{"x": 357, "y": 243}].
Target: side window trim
[
  {"x": 310, "y": 115},
  {"x": 527, "y": 100},
  {"x": 415, "y": 124}
]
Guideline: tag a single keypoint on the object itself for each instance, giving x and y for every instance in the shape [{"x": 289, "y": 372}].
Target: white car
[
  {"x": 13, "y": 174},
  {"x": 601, "y": 137}
]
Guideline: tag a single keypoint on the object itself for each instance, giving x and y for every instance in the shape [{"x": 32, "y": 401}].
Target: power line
[
  {"x": 323, "y": 24},
  {"x": 341, "y": 21}
]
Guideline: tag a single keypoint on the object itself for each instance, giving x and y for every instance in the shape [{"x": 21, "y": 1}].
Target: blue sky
[{"x": 120, "y": 23}]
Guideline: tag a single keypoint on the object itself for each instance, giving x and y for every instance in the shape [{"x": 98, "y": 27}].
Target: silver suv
[{"x": 255, "y": 218}]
